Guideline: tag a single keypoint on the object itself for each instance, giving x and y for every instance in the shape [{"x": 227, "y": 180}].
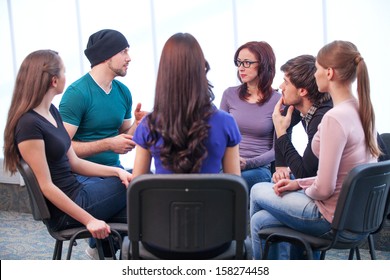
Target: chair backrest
[
  {"x": 364, "y": 198},
  {"x": 386, "y": 140},
  {"x": 39, "y": 208},
  {"x": 384, "y": 145},
  {"x": 187, "y": 212}
]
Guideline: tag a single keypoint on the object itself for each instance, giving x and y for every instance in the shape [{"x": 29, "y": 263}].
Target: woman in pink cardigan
[{"x": 345, "y": 138}]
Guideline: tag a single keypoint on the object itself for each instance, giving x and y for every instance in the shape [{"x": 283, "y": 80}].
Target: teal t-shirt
[{"x": 97, "y": 115}]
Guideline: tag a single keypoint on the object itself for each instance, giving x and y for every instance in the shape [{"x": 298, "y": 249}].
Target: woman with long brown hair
[
  {"x": 35, "y": 132},
  {"x": 185, "y": 133}
]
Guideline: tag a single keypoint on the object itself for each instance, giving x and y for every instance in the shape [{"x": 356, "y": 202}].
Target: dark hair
[
  {"x": 265, "y": 71},
  {"x": 348, "y": 64},
  {"x": 300, "y": 70},
  {"x": 32, "y": 83},
  {"x": 182, "y": 105}
]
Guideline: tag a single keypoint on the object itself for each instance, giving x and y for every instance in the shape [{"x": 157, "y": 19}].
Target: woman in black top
[{"x": 34, "y": 132}]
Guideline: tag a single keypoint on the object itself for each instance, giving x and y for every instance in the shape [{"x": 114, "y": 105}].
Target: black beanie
[{"x": 104, "y": 44}]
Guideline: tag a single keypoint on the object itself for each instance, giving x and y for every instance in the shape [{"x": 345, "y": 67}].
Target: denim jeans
[
  {"x": 104, "y": 199},
  {"x": 293, "y": 209},
  {"x": 256, "y": 175}
]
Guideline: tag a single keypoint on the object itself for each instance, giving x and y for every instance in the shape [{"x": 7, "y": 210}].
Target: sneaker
[{"x": 93, "y": 254}]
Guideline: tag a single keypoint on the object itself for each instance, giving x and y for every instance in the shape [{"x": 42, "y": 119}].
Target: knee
[
  {"x": 258, "y": 221},
  {"x": 261, "y": 190}
]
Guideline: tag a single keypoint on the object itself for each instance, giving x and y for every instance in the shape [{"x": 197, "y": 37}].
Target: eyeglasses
[{"x": 245, "y": 63}]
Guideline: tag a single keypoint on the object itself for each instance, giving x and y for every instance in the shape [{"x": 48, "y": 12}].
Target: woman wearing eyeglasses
[{"x": 252, "y": 104}]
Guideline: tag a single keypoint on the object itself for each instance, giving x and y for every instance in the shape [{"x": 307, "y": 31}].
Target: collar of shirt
[{"x": 307, "y": 118}]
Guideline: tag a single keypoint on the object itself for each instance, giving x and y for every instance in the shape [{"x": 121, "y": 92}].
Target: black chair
[
  {"x": 384, "y": 145},
  {"x": 362, "y": 207},
  {"x": 40, "y": 212},
  {"x": 187, "y": 216},
  {"x": 386, "y": 140}
]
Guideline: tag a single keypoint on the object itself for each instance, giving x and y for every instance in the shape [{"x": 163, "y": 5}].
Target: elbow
[{"x": 319, "y": 193}]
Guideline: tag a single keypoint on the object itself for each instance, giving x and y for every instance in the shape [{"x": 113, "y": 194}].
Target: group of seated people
[{"x": 85, "y": 183}]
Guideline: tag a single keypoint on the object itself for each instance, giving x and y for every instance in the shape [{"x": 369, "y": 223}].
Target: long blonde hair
[
  {"x": 32, "y": 83},
  {"x": 345, "y": 59}
]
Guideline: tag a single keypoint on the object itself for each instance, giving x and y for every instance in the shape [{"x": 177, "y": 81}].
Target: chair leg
[
  {"x": 309, "y": 252},
  {"x": 357, "y": 253},
  {"x": 134, "y": 246},
  {"x": 112, "y": 238},
  {"x": 351, "y": 253},
  {"x": 57, "y": 254},
  {"x": 112, "y": 246},
  {"x": 265, "y": 251},
  {"x": 72, "y": 242},
  {"x": 99, "y": 247},
  {"x": 323, "y": 254},
  {"x": 116, "y": 237},
  {"x": 371, "y": 246}
]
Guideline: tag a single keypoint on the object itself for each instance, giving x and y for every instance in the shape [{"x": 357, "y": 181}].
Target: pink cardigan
[{"x": 339, "y": 145}]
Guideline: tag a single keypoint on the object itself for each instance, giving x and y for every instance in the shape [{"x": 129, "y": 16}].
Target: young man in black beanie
[{"x": 96, "y": 109}]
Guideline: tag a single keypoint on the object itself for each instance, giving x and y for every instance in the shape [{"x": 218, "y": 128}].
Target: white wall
[{"x": 291, "y": 27}]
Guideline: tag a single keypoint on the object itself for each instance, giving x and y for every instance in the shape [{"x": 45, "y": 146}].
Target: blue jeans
[
  {"x": 103, "y": 198},
  {"x": 256, "y": 175},
  {"x": 293, "y": 209}
]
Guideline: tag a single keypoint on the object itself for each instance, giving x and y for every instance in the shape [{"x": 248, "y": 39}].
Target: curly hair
[{"x": 182, "y": 105}]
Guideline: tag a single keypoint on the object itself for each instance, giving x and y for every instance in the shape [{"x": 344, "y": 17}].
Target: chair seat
[
  {"x": 280, "y": 234},
  {"x": 73, "y": 234},
  {"x": 82, "y": 232},
  {"x": 276, "y": 234},
  {"x": 228, "y": 254},
  {"x": 66, "y": 234},
  {"x": 362, "y": 207},
  {"x": 41, "y": 212}
]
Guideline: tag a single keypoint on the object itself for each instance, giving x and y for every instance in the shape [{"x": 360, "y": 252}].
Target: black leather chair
[
  {"x": 187, "y": 216},
  {"x": 362, "y": 207},
  {"x": 40, "y": 212}
]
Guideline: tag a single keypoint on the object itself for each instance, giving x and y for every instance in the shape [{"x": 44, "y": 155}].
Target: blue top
[
  {"x": 97, "y": 114},
  {"x": 223, "y": 133}
]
